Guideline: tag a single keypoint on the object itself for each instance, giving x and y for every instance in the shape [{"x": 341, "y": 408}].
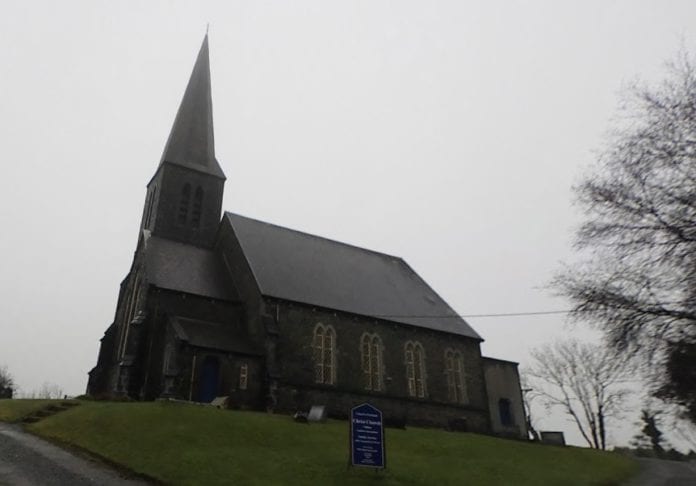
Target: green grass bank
[
  {"x": 187, "y": 444},
  {"x": 16, "y": 410}
]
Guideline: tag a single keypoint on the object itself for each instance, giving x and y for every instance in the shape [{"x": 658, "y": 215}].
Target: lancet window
[
  {"x": 454, "y": 371},
  {"x": 415, "y": 369},
  {"x": 324, "y": 346},
  {"x": 184, "y": 203},
  {"x": 371, "y": 357},
  {"x": 197, "y": 207}
]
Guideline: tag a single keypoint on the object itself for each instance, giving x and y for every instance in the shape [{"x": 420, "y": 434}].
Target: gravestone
[
  {"x": 317, "y": 413},
  {"x": 554, "y": 438},
  {"x": 219, "y": 402}
]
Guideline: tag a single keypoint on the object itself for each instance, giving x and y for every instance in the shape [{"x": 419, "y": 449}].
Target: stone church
[{"x": 220, "y": 304}]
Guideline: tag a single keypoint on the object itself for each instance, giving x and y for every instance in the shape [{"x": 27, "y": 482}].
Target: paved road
[
  {"x": 26, "y": 460},
  {"x": 656, "y": 472}
]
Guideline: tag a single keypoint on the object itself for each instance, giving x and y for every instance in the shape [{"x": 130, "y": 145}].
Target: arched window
[
  {"x": 197, "y": 205},
  {"x": 371, "y": 357},
  {"x": 454, "y": 369},
  {"x": 184, "y": 203},
  {"x": 324, "y": 345},
  {"x": 505, "y": 410},
  {"x": 415, "y": 369}
]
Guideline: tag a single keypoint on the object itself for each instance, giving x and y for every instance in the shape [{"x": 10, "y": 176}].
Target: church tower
[{"x": 184, "y": 197}]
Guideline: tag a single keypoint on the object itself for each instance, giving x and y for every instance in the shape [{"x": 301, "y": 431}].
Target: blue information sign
[{"x": 367, "y": 437}]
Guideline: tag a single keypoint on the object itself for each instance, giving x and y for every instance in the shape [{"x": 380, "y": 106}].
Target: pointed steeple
[{"x": 191, "y": 142}]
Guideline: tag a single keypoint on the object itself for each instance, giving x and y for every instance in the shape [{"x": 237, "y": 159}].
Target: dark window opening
[
  {"x": 197, "y": 206},
  {"x": 184, "y": 203},
  {"x": 505, "y": 410}
]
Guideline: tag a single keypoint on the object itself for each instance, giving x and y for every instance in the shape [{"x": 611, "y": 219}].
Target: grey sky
[{"x": 448, "y": 133}]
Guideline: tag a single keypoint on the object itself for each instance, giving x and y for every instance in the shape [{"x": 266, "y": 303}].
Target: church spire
[{"x": 191, "y": 142}]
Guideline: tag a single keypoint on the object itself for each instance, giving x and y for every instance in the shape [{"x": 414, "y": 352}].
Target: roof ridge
[{"x": 342, "y": 243}]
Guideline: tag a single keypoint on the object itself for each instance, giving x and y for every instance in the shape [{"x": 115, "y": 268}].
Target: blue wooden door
[{"x": 209, "y": 379}]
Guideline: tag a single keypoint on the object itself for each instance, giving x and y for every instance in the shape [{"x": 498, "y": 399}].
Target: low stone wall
[{"x": 397, "y": 411}]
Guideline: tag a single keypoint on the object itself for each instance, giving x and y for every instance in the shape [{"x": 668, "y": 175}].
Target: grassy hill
[
  {"x": 15, "y": 410},
  {"x": 186, "y": 444}
]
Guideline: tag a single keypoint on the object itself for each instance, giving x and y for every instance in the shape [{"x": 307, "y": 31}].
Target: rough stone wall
[
  {"x": 298, "y": 389},
  {"x": 503, "y": 382},
  {"x": 99, "y": 377},
  {"x": 396, "y": 410},
  {"x": 161, "y": 306},
  {"x": 236, "y": 264},
  {"x": 103, "y": 377}
]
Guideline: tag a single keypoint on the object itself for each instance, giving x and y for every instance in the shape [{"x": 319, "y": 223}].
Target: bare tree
[
  {"x": 586, "y": 380},
  {"x": 638, "y": 283},
  {"x": 50, "y": 391},
  {"x": 6, "y": 383},
  {"x": 528, "y": 397}
]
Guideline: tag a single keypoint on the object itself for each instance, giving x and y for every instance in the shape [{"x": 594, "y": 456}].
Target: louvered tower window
[
  {"x": 197, "y": 206},
  {"x": 184, "y": 203}
]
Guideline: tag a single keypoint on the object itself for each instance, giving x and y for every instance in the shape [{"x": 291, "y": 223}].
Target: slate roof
[
  {"x": 300, "y": 267},
  {"x": 186, "y": 268},
  {"x": 191, "y": 142},
  {"x": 211, "y": 335}
]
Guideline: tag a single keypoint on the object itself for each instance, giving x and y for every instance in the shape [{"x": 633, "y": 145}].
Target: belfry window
[
  {"x": 371, "y": 357},
  {"x": 324, "y": 346},
  {"x": 197, "y": 205},
  {"x": 415, "y": 369},
  {"x": 454, "y": 370},
  {"x": 184, "y": 204}
]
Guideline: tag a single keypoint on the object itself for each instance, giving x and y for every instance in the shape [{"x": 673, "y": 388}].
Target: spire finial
[{"x": 207, "y": 26}]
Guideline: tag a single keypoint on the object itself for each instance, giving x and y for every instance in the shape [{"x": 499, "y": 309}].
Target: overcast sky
[{"x": 447, "y": 133}]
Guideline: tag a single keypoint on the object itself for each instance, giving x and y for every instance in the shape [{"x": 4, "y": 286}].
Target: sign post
[{"x": 367, "y": 437}]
